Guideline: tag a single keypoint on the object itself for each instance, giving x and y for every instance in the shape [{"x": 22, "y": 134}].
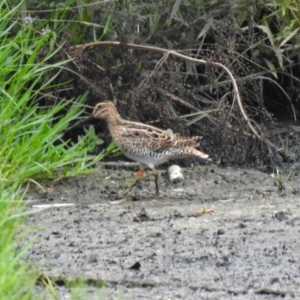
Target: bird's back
[{"x": 151, "y": 145}]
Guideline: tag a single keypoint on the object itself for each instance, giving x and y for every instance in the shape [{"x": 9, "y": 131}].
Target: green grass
[
  {"x": 28, "y": 132},
  {"x": 14, "y": 280},
  {"x": 29, "y": 135}
]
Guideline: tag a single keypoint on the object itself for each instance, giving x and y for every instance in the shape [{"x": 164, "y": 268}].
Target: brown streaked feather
[
  {"x": 134, "y": 136},
  {"x": 155, "y": 136}
]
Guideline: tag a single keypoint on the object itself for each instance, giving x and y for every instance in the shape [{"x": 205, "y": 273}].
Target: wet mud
[{"x": 223, "y": 233}]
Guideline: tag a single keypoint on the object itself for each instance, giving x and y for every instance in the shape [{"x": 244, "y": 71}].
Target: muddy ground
[{"x": 223, "y": 233}]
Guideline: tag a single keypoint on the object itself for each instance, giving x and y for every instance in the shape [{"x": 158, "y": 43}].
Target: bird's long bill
[{"x": 80, "y": 123}]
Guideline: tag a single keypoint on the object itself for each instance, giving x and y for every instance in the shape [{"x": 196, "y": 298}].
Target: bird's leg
[
  {"x": 155, "y": 173},
  {"x": 140, "y": 176}
]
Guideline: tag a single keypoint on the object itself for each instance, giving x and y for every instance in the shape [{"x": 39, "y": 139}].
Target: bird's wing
[{"x": 155, "y": 138}]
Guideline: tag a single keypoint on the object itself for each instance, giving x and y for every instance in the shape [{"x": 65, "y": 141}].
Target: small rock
[
  {"x": 135, "y": 266},
  {"x": 175, "y": 174},
  {"x": 281, "y": 215},
  {"x": 141, "y": 216}
]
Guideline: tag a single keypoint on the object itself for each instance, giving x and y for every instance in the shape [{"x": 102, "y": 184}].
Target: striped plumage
[{"x": 146, "y": 144}]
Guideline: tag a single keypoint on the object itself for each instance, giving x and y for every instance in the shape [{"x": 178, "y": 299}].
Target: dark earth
[{"x": 223, "y": 233}]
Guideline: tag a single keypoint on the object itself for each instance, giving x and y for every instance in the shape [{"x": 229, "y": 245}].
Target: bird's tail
[
  {"x": 188, "y": 141},
  {"x": 200, "y": 154},
  {"x": 193, "y": 143}
]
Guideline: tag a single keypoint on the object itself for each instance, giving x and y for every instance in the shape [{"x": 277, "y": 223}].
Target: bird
[{"x": 148, "y": 145}]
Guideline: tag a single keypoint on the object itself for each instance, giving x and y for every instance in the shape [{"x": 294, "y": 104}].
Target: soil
[{"x": 222, "y": 233}]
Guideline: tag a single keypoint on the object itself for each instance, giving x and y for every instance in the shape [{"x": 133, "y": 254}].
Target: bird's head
[{"x": 104, "y": 109}]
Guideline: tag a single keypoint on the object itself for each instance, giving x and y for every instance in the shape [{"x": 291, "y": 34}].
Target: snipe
[{"x": 145, "y": 144}]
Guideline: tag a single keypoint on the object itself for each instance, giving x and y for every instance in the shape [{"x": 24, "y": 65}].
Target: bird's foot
[
  {"x": 141, "y": 174},
  {"x": 129, "y": 192}
]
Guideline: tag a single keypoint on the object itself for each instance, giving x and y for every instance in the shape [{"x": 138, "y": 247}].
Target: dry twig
[{"x": 166, "y": 53}]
